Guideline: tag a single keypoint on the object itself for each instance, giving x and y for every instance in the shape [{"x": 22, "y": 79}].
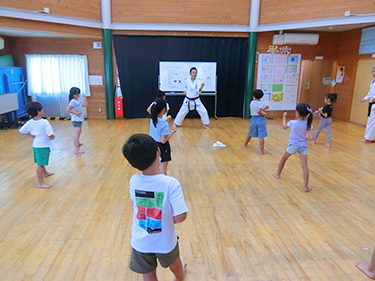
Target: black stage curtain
[{"x": 138, "y": 64}]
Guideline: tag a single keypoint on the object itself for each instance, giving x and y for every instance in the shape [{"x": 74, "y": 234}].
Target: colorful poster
[{"x": 278, "y": 78}]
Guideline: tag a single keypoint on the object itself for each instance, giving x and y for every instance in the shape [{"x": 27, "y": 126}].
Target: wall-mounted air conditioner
[{"x": 295, "y": 39}]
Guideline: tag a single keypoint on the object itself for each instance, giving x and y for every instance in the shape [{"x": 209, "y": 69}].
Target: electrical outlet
[
  {"x": 46, "y": 10},
  {"x": 100, "y": 109},
  {"x": 347, "y": 13}
]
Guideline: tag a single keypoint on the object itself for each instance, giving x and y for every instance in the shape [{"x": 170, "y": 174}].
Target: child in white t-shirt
[
  {"x": 258, "y": 128},
  {"x": 40, "y": 129},
  {"x": 75, "y": 108},
  {"x": 158, "y": 203}
]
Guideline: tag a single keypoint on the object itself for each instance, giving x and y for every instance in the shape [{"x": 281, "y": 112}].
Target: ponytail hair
[
  {"x": 156, "y": 107},
  {"x": 304, "y": 110},
  {"x": 331, "y": 97},
  {"x": 73, "y": 91}
]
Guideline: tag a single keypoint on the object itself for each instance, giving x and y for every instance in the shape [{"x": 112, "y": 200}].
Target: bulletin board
[{"x": 278, "y": 77}]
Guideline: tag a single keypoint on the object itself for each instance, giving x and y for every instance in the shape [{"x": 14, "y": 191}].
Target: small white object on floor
[
  {"x": 219, "y": 144},
  {"x": 365, "y": 249}
]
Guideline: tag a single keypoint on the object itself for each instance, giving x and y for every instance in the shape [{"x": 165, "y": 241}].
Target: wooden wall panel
[
  {"x": 90, "y": 10},
  {"x": 63, "y": 29},
  {"x": 7, "y": 45},
  {"x": 348, "y": 56},
  {"x": 22, "y": 46},
  {"x": 280, "y": 11},
  {"x": 234, "y": 12},
  {"x": 326, "y": 48}
]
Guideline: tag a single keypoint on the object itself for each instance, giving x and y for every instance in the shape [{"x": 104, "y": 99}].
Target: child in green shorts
[{"x": 40, "y": 129}]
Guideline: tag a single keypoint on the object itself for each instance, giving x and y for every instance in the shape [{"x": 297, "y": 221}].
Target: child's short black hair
[
  {"x": 258, "y": 94},
  {"x": 33, "y": 108},
  {"x": 140, "y": 150}
]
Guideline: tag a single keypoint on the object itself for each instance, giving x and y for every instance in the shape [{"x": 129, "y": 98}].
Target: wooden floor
[{"x": 243, "y": 224}]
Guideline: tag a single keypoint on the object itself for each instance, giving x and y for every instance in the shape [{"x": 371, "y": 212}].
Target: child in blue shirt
[
  {"x": 258, "y": 127},
  {"x": 159, "y": 131},
  {"x": 300, "y": 133}
]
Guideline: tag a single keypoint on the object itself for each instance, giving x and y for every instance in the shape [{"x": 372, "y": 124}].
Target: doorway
[{"x": 313, "y": 84}]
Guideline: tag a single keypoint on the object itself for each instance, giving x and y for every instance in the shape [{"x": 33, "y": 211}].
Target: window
[
  {"x": 50, "y": 78},
  {"x": 52, "y": 75}
]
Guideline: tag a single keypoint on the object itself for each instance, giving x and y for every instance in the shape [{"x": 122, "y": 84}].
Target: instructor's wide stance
[{"x": 192, "y": 101}]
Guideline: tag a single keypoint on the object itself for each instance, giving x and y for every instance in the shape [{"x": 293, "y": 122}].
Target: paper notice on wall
[
  {"x": 96, "y": 80},
  {"x": 340, "y": 74}
]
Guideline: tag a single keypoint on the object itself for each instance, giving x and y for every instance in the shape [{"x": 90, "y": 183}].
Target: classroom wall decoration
[{"x": 278, "y": 77}]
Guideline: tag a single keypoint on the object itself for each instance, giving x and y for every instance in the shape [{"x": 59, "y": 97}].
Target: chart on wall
[
  {"x": 173, "y": 75},
  {"x": 278, "y": 77}
]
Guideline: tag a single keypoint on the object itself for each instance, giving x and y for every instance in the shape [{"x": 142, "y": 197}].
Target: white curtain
[
  {"x": 56, "y": 74},
  {"x": 50, "y": 78}
]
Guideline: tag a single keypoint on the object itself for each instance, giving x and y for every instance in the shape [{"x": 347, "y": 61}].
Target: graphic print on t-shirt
[{"x": 149, "y": 206}]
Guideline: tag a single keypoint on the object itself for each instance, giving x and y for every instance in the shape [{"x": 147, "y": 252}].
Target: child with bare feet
[
  {"x": 75, "y": 109},
  {"x": 158, "y": 203},
  {"x": 300, "y": 133},
  {"x": 258, "y": 127},
  {"x": 40, "y": 129},
  {"x": 368, "y": 269}
]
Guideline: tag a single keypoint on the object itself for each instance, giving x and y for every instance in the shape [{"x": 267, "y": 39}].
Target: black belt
[
  {"x": 195, "y": 104},
  {"x": 369, "y": 108}
]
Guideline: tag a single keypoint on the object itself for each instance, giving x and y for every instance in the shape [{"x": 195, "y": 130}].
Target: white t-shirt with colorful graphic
[{"x": 156, "y": 200}]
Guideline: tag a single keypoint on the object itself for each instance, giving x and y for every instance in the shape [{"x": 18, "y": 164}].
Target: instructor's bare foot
[
  {"x": 184, "y": 269},
  {"x": 80, "y": 151},
  {"x": 48, "y": 175},
  {"x": 206, "y": 127},
  {"x": 44, "y": 185},
  {"x": 276, "y": 176},
  {"x": 307, "y": 189},
  {"x": 244, "y": 146},
  {"x": 366, "y": 141},
  {"x": 364, "y": 268}
]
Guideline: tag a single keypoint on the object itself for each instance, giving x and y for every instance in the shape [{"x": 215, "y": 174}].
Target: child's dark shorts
[
  {"x": 165, "y": 151},
  {"x": 146, "y": 262}
]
